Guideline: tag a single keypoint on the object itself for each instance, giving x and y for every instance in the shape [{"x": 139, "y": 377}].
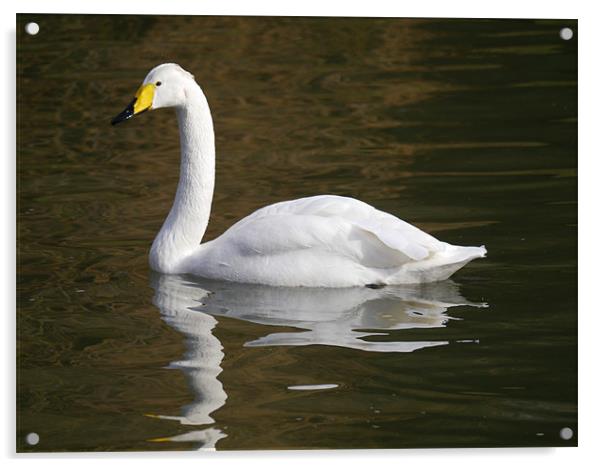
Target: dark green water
[{"x": 466, "y": 128}]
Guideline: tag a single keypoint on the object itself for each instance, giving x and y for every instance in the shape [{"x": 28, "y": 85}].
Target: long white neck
[{"x": 187, "y": 221}]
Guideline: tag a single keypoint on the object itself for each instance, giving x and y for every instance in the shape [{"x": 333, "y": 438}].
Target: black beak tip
[
  {"x": 125, "y": 115},
  {"x": 120, "y": 118}
]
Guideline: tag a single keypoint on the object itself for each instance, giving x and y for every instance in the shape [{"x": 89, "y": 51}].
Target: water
[{"x": 465, "y": 128}]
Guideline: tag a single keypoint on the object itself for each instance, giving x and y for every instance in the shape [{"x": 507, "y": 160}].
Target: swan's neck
[{"x": 187, "y": 221}]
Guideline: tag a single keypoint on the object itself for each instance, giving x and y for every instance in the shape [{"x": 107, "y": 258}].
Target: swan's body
[
  {"x": 325, "y": 241},
  {"x": 321, "y": 241}
]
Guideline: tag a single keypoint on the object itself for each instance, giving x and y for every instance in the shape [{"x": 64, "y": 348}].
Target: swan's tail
[
  {"x": 468, "y": 253},
  {"x": 439, "y": 266}
]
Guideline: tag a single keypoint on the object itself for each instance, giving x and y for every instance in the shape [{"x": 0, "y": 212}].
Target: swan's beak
[{"x": 142, "y": 102}]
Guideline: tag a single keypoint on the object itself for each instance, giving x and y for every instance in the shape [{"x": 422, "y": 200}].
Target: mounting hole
[
  {"x": 32, "y": 439},
  {"x": 32, "y": 28},
  {"x": 566, "y": 433},
  {"x": 566, "y": 34}
]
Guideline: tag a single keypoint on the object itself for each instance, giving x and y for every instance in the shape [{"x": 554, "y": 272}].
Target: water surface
[{"x": 466, "y": 128}]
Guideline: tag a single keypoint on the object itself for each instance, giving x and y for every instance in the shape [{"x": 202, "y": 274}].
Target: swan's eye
[{"x": 158, "y": 83}]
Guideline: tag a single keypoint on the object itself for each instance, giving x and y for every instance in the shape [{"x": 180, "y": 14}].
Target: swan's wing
[{"x": 333, "y": 224}]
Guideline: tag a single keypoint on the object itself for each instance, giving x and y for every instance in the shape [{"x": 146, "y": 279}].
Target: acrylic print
[{"x": 251, "y": 233}]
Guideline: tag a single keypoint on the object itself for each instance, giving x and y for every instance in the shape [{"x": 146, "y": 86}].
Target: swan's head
[{"x": 164, "y": 86}]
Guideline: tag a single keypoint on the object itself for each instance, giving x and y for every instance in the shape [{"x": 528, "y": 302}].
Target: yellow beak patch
[{"x": 144, "y": 98}]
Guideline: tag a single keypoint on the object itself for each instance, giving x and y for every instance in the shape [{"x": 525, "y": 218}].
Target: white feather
[{"x": 321, "y": 241}]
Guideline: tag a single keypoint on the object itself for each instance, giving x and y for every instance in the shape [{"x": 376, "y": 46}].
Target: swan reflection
[{"x": 347, "y": 317}]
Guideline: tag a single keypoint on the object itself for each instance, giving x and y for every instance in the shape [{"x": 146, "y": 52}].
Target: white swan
[{"x": 320, "y": 241}]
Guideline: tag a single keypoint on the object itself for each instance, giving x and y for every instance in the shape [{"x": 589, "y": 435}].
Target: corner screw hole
[
  {"x": 566, "y": 433},
  {"x": 566, "y": 34},
  {"x": 32, "y": 28},
  {"x": 32, "y": 439}
]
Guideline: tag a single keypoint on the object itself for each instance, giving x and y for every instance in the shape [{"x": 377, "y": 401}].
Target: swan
[{"x": 318, "y": 241}]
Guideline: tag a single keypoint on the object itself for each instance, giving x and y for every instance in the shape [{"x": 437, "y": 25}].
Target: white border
[
  {"x": 590, "y": 107},
  {"x": 384, "y": 8}
]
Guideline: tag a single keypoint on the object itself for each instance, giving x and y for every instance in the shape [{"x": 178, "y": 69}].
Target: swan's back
[{"x": 330, "y": 241}]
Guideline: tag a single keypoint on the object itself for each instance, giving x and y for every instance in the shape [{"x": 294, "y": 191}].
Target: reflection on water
[
  {"x": 200, "y": 363},
  {"x": 205, "y": 439},
  {"x": 325, "y": 316},
  {"x": 338, "y": 317},
  {"x": 204, "y": 351}
]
